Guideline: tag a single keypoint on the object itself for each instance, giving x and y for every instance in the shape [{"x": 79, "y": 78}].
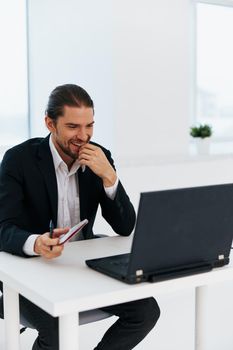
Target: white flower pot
[{"x": 203, "y": 145}]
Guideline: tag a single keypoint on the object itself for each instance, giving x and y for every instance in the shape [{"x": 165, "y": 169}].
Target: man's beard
[{"x": 68, "y": 152}]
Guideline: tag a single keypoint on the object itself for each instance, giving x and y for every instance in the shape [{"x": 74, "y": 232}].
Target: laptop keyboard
[
  {"x": 115, "y": 265},
  {"x": 121, "y": 261}
]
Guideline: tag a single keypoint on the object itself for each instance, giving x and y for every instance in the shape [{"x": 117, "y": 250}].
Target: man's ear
[{"x": 49, "y": 123}]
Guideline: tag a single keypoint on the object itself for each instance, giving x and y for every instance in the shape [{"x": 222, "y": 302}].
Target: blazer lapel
[
  {"x": 84, "y": 186},
  {"x": 45, "y": 162}
]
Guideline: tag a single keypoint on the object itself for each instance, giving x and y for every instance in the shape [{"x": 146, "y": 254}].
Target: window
[
  {"x": 214, "y": 95},
  {"x": 13, "y": 73}
]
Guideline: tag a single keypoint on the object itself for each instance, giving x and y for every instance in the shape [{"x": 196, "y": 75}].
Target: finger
[
  {"x": 47, "y": 247},
  {"x": 85, "y": 157},
  {"x": 89, "y": 146},
  {"x": 47, "y": 241},
  {"x": 49, "y": 255},
  {"x": 56, "y": 251},
  {"x": 93, "y": 154},
  {"x": 86, "y": 162},
  {"x": 58, "y": 232}
]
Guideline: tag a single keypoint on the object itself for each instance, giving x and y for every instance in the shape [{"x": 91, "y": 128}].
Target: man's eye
[{"x": 71, "y": 126}]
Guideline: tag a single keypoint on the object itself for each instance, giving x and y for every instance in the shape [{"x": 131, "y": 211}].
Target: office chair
[{"x": 85, "y": 317}]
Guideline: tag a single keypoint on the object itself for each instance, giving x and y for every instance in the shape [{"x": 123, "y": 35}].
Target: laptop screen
[{"x": 183, "y": 227}]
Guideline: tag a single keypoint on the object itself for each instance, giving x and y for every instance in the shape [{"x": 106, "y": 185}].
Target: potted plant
[{"x": 202, "y": 134}]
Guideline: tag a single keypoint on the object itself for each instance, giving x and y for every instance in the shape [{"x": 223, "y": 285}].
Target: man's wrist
[
  {"x": 109, "y": 180},
  {"x": 111, "y": 191},
  {"x": 29, "y": 245},
  {"x": 36, "y": 250}
]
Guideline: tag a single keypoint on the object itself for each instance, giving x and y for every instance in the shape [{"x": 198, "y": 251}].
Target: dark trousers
[{"x": 136, "y": 319}]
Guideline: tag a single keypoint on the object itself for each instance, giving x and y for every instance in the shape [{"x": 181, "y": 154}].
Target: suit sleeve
[
  {"x": 12, "y": 237},
  {"x": 119, "y": 213}
]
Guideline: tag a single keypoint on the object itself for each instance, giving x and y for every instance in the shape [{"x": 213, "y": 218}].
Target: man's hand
[
  {"x": 43, "y": 244},
  {"x": 93, "y": 157}
]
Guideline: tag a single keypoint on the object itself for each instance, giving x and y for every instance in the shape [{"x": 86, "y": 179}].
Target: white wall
[
  {"x": 133, "y": 57},
  {"x": 152, "y": 76}
]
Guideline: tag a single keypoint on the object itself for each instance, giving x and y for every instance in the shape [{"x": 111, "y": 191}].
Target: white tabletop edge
[{"x": 107, "y": 291}]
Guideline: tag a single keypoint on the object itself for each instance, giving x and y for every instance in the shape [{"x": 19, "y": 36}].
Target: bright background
[{"x": 144, "y": 64}]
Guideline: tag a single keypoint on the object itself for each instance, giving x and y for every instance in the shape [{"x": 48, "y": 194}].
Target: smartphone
[{"x": 73, "y": 231}]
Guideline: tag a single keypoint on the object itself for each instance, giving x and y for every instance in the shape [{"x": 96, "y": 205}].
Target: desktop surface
[{"x": 65, "y": 284}]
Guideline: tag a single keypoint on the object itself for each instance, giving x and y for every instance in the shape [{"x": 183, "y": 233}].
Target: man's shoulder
[
  {"x": 24, "y": 149},
  {"x": 26, "y": 145}
]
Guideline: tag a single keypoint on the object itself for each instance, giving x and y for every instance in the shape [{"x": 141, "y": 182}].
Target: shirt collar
[{"x": 58, "y": 161}]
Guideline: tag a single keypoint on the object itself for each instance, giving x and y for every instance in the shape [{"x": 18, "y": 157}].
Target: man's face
[{"x": 71, "y": 131}]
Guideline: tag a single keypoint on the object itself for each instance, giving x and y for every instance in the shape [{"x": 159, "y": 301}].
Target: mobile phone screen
[{"x": 73, "y": 231}]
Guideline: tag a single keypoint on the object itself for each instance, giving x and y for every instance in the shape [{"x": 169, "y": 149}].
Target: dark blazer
[{"x": 29, "y": 197}]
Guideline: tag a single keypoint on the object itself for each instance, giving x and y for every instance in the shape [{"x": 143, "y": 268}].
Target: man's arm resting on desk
[
  {"x": 12, "y": 239},
  {"x": 45, "y": 246},
  {"x": 31, "y": 245}
]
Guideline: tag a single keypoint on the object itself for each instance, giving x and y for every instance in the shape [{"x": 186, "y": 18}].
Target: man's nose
[{"x": 82, "y": 135}]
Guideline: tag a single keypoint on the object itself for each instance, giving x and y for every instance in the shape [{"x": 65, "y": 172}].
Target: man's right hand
[{"x": 43, "y": 244}]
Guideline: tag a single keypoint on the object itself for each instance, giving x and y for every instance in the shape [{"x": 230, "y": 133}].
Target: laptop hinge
[
  {"x": 139, "y": 275},
  {"x": 180, "y": 272},
  {"x": 221, "y": 261}
]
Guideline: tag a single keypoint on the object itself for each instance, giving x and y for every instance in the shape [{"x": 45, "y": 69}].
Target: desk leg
[
  {"x": 68, "y": 331},
  {"x": 200, "y": 317},
  {"x": 11, "y": 318}
]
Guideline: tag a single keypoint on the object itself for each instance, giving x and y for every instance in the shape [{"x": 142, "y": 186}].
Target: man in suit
[{"x": 64, "y": 178}]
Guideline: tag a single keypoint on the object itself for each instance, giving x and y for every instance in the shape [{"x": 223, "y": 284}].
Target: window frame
[
  {"x": 226, "y": 3},
  {"x": 24, "y": 8}
]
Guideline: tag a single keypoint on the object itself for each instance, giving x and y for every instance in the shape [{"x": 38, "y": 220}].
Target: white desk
[{"x": 65, "y": 286}]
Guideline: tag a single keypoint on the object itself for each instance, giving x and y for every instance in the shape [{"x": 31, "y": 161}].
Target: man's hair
[{"x": 67, "y": 95}]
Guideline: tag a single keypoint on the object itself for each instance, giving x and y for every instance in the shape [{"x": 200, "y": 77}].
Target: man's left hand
[{"x": 93, "y": 157}]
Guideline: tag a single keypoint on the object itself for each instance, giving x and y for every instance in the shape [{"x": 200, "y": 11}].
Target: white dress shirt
[{"x": 68, "y": 213}]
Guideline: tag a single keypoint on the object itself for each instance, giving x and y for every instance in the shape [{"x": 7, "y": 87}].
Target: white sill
[
  {"x": 218, "y": 151},
  {"x": 217, "y": 148}
]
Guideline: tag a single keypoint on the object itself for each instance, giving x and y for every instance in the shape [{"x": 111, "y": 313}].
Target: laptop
[{"x": 178, "y": 232}]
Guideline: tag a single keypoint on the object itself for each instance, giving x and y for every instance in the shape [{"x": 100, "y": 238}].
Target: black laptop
[{"x": 178, "y": 232}]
